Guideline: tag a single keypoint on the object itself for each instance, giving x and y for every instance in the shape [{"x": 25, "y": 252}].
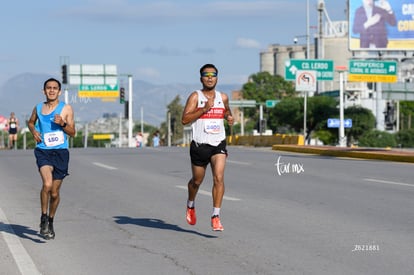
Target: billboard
[{"x": 381, "y": 25}]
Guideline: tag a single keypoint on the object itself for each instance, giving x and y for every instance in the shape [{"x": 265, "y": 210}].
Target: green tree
[
  {"x": 264, "y": 86},
  {"x": 175, "y": 108},
  {"x": 405, "y": 138},
  {"x": 288, "y": 114},
  {"x": 327, "y": 136},
  {"x": 406, "y": 114},
  {"x": 363, "y": 121},
  {"x": 319, "y": 110},
  {"x": 378, "y": 139}
]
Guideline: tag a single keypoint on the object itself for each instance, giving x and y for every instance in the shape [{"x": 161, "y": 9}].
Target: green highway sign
[
  {"x": 104, "y": 90},
  {"x": 103, "y": 87},
  {"x": 324, "y": 68},
  {"x": 242, "y": 103},
  {"x": 271, "y": 103},
  {"x": 372, "y": 71}
]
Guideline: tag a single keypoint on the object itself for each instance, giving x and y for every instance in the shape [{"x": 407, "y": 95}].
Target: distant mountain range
[{"x": 21, "y": 93}]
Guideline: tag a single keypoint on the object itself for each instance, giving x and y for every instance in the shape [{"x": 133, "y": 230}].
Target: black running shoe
[
  {"x": 44, "y": 230},
  {"x": 51, "y": 233}
]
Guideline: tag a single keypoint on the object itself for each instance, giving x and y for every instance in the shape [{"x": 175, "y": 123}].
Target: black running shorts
[
  {"x": 57, "y": 158},
  {"x": 201, "y": 153}
]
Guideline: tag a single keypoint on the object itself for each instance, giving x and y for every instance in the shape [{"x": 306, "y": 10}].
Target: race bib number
[
  {"x": 54, "y": 138},
  {"x": 212, "y": 126}
]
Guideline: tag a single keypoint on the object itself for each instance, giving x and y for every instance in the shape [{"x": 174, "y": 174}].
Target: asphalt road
[{"x": 122, "y": 211}]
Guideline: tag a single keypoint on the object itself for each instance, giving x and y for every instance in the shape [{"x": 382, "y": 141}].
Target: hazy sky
[{"x": 162, "y": 42}]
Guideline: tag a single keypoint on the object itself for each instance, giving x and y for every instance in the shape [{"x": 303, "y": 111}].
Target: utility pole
[
  {"x": 130, "y": 116},
  {"x": 342, "y": 138},
  {"x": 305, "y": 93},
  {"x": 321, "y": 54},
  {"x": 120, "y": 131},
  {"x": 169, "y": 129},
  {"x": 142, "y": 123}
]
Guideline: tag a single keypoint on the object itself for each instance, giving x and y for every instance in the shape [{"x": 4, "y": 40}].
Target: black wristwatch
[{"x": 64, "y": 124}]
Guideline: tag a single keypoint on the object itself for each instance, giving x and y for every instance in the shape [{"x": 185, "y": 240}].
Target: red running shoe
[
  {"x": 216, "y": 224},
  {"x": 191, "y": 215}
]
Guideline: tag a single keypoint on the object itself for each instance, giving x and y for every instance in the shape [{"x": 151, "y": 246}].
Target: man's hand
[
  {"x": 372, "y": 21},
  {"x": 58, "y": 120},
  {"x": 37, "y": 137},
  {"x": 384, "y": 4}
]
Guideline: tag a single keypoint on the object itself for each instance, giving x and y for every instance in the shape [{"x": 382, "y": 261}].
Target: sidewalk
[{"x": 399, "y": 155}]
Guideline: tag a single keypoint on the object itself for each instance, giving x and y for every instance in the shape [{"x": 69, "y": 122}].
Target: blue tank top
[{"x": 53, "y": 137}]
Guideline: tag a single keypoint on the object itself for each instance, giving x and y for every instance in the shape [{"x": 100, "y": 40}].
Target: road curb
[{"x": 362, "y": 153}]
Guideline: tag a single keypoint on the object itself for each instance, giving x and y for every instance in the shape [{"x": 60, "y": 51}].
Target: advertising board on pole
[{"x": 381, "y": 25}]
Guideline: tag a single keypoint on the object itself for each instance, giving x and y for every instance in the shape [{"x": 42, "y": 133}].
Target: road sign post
[{"x": 305, "y": 82}]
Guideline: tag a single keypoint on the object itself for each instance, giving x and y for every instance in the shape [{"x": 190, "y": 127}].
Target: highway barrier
[{"x": 266, "y": 141}]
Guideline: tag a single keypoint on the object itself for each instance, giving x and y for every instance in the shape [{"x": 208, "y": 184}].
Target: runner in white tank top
[{"x": 206, "y": 110}]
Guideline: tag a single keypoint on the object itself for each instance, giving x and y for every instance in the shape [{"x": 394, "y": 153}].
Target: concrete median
[{"x": 398, "y": 155}]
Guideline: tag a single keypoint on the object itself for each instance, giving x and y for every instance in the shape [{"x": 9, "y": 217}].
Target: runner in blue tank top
[{"x": 50, "y": 124}]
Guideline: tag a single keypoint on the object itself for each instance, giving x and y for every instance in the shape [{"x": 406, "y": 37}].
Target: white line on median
[
  {"x": 208, "y": 193},
  {"x": 390, "y": 182},
  {"x": 23, "y": 261},
  {"x": 104, "y": 166}
]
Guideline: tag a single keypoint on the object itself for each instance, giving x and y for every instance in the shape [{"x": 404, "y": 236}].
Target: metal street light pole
[
  {"x": 307, "y": 31},
  {"x": 130, "y": 117},
  {"x": 342, "y": 139},
  {"x": 307, "y": 57}
]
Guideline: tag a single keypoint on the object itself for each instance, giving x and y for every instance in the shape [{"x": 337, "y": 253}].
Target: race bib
[
  {"x": 54, "y": 138},
  {"x": 212, "y": 126},
  {"x": 13, "y": 125}
]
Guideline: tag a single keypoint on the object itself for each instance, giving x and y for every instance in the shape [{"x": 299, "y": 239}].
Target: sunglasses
[{"x": 208, "y": 74}]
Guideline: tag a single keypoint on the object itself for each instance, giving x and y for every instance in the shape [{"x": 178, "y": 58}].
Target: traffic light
[
  {"x": 65, "y": 74},
  {"x": 122, "y": 95}
]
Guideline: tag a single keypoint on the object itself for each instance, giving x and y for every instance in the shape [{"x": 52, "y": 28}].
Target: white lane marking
[
  {"x": 208, "y": 193},
  {"x": 390, "y": 182},
  {"x": 238, "y": 162},
  {"x": 23, "y": 261},
  {"x": 104, "y": 166}
]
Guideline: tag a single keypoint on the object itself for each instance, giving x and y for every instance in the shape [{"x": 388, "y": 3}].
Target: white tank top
[{"x": 209, "y": 128}]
